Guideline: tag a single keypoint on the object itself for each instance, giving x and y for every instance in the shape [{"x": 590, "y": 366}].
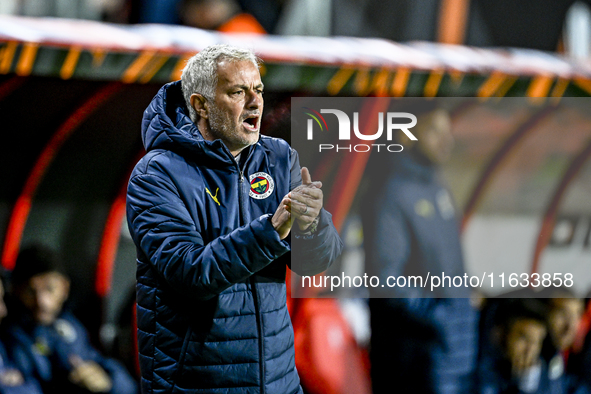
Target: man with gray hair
[{"x": 210, "y": 208}]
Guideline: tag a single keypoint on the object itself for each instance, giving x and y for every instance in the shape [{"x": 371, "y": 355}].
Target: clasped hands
[{"x": 302, "y": 204}]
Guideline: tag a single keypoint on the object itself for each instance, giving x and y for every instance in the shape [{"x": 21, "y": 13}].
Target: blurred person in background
[
  {"x": 224, "y": 16},
  {"x": 419, "y": 344},
  {"x": 517, "y": 337},
  {"x": 47, "y": 341},
  {"x": 12, "y": 379},
  {"x": 565, "y": 312},
  {"x": 228, "y": 16},
  {"x": 579, "y": 357}
]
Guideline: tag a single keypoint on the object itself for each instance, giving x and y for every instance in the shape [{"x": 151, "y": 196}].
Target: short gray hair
[{"x": 200, "y": 73}]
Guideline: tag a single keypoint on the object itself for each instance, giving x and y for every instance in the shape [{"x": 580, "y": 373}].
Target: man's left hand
[{"x": 305, "y": 201}]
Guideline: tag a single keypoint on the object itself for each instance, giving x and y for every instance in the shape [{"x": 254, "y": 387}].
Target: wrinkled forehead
[
  {"x": 238, "y": 72},
  {"x": 47, "y": 279}
]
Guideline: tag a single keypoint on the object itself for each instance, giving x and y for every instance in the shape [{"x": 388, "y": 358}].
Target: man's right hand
[
  {"x": 11, "y": 377},
  {"x": 90, "y": 376},
  {"x": 281, "y": 220}
]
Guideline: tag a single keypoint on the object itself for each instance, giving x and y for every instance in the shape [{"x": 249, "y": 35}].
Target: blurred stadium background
[{"x": 76, "y": 75}]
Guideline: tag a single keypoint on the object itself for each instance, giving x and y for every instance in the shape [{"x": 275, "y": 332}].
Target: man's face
[
  {"x": 435, "y": 140},
  {"x": 235, "y": 114},
  {"x": 563, "y": 321},
  {"x": 524, "y": 343},
  {"x": 44, "y": 295}
]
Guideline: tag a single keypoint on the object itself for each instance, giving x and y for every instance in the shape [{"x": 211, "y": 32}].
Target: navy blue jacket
[
  {"x": 410, "y": 222},
  {"x": 410, "y": 228},
  {"x": 29, "y": 385},
  {"x": 45, "y": 352},
  {"x": 211, "y": 293}
]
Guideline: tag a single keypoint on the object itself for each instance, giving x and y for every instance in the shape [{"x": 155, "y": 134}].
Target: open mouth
[{"x": 251, "y": 122}]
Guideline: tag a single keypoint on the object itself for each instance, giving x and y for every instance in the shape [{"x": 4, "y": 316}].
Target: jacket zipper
[
  {"x": 241, "y": 198},
  {"x": 257, "y": 311},
  {"x": 255, "y": 295}
]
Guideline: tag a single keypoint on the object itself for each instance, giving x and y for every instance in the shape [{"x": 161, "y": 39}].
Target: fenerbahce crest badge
[{"x": 261, "y": 185}]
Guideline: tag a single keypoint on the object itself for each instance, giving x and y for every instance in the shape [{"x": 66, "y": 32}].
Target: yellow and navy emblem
[
  {"x": 261, "y": 185},
  {"x": 41, "y": 347},
  {"x": 424, "y": 208}
]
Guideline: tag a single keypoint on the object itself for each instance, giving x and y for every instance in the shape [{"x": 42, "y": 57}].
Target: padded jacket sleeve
[
  {"x": 313, "y": 254},
  {"x": 167, "y": 237}
]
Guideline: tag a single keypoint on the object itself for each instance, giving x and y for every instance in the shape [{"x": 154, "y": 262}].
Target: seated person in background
[
  {"x": 49, "y": 342},
  {"x": 12, "y": 380},
  {"x": 517, "y": 366},
  {"x": 222, "y": 15},
  {"x": 564, "y": 317},
  {"x": 579, "y": 356}
]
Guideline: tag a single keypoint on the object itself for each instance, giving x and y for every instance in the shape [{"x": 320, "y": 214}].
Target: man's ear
[
  {"x": 199, "y": 103},
  {"x": 66, "y": 284}
]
